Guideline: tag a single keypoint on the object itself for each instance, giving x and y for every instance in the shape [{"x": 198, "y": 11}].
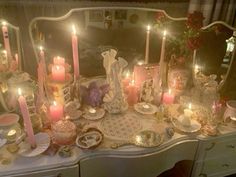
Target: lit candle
[
  {"x": 188, "y": 111},
  {"x": 17, "y": 60},
  {"x": 6, "y": 40},
  {"x": 168, "y": 97},
  {"x": 196, "y": 69},
  {"x": 27, "y": 121},
  {"x": 147, "y": 45},
  {"x": 92, "y": 111},
  {"x": 146, "y": 106},
  {"x": 58, "y": 73},
  {"x": 161, "y": 63},
  {"x": 132, "y": 96},
  {"x": 5, "y": 60},
  {"x": 11, "y": 135},
  {"x": 59, "y": 60},
  {"x": 42, "y": 58},
  {"x": 75, "y": 52},
  {"x": 56, "y": 111},
  {"x": 126, "y": 80}
]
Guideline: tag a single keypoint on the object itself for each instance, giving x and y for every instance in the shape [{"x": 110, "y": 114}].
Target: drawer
[
  {"x": 226, "y": 147},
  {"x": 71, "y": 171},
  {"x": 218, "y": 167},
  {"x": 143, "y": 165}
]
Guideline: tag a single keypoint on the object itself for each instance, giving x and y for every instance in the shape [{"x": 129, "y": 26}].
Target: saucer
[
  {"x": 94, "y": 116},
  {"x": 145, "y": 108},
  {"x": 194, "y": 126},
  {"x": 42, "y": 141}
]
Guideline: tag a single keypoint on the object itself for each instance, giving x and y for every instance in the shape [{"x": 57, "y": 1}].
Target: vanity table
[{"x": 117, "y": 155}]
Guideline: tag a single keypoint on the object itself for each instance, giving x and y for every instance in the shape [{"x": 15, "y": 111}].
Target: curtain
[{"x": 214, "y": 10}]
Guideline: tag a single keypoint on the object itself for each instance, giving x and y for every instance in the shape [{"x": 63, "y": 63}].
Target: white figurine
[{"x": 114, "y": 100}]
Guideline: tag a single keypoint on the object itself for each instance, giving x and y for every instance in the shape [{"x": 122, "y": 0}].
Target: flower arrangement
[{"x": 181, "y": 46}]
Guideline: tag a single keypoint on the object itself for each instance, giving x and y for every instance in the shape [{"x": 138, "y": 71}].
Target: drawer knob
[
  {"x": 225, "y": 165},
  {"x": 230, "y": 146},
  {"x": 211, "y": 146}
]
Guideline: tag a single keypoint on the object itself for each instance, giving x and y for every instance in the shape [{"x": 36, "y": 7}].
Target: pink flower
[
  {"x": 193, "y": 42},
  {"x": 195, "y": 20}
]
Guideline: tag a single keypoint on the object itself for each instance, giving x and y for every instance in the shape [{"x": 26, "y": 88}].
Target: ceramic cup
[{"x": 230, "y": 110}]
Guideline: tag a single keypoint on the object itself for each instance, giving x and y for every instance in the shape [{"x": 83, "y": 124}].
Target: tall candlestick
[
  {"x": 75, "y": 52},
  {"x": 42, "y": 57},
  {"x": 17, "y": 60},
  {"x": 132, "y": 97},
  {"x": 58, "y": 73},
  {"x": 161, "y": 63},
  {"x": 6, "y": 40},
  {"x": 147, "y": 45},
  {"x": 27, "y": 120},
  {"x": 56, "y": 111}
]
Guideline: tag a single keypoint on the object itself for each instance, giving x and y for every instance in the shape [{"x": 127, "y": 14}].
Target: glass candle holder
[{"x": 64, "y": 132}]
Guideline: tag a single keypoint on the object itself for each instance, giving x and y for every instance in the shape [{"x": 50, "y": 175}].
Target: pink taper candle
[
  {"x": 6, "y": 40},
  {"x": 75, "y": 52},
  {"x": 168, "y": 97},
  {"x": 42, "y": 58},
  {"x": 147, "y": 45},
  {"x": 56, "y": 111},
  {"x": 27, "y": 121},
  {"x": 132, "y": 97},
  {"x": 17, "y": 60}
]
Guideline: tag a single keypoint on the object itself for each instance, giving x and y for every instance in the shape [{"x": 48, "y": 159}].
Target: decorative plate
[
  {"x": 121, "y": 126},
  {"x": 194, "y": 126},
  {"x": 42, "y": 141},
  {"x": 8, "y": 119},
  {"x": 90, "y": 139},
  {"x": 145, "y": 108},
  {"x": 97, "y": 114}
]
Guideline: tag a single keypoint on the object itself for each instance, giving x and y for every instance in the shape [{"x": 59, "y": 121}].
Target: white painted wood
[
  {"x": 146, "y": 165},
  {"x": 71, "y": 171}
]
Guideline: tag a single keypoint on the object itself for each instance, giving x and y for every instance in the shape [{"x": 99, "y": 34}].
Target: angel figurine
[{"x": 114, "y": 100}]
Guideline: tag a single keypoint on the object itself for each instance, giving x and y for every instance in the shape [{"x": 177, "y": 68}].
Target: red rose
[
  {"x": 160, "y": 16},
  {"x": 195, "y": 20},
  {"x": 193, "y": 42}
]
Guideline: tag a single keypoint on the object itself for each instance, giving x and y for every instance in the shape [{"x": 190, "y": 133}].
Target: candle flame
[
  {"x": 54, "y": 103},
  {"x": 148, "y": 28},
  {"x": 140, "y": 62},
  {"x": 190, "y": 106},
  {"x": 132, "y": 82},
  {"x": 19, "y": 91},
  {"x": 164, "y": 33},
  {"x": 73, "y": 29},
  {"x": 127, "y": 74},
  {"x": 4, "y": 51},
  {"x": 40, "y": 48},
  {"x": 169, "y": 91},
  {"x": 4, "y": 23},
  {"x": 57, "y": 67}
]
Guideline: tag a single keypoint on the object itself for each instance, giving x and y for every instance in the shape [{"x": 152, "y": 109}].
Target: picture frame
[{"x": 96, "y": 15}]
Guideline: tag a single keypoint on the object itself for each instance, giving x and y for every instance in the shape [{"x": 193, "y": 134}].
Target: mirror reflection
[
  {"x": 123, "y": 29},
  {"x": 215, "y": 54}
]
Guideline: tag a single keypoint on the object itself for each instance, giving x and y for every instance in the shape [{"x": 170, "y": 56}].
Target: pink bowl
[{"x": 8, "y": 119}]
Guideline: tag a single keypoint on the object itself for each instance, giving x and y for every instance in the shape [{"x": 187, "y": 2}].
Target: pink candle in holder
[
  {"x": 59, "y": 60},
  {"x": 126, "y": 81},
  {"x": 56, "y": 111},
  {"x": 132, "y": 97},
  {"x": 58, "y": 73},
  {"x": 168, "y": 97}
]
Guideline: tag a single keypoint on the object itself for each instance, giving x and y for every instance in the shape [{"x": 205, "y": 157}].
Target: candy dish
[
  {"x": 145, "y": 108},
  {"x": 89, "y": 139}
]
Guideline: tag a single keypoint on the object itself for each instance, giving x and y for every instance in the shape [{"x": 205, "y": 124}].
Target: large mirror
[
  {"x": 119, "y": 27},
  {"x": 10, "y": 64},
  {"x": 215, "y": 56}
]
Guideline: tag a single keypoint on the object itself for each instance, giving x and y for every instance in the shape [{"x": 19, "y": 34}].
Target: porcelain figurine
[{"x": 114, "y": 100}]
